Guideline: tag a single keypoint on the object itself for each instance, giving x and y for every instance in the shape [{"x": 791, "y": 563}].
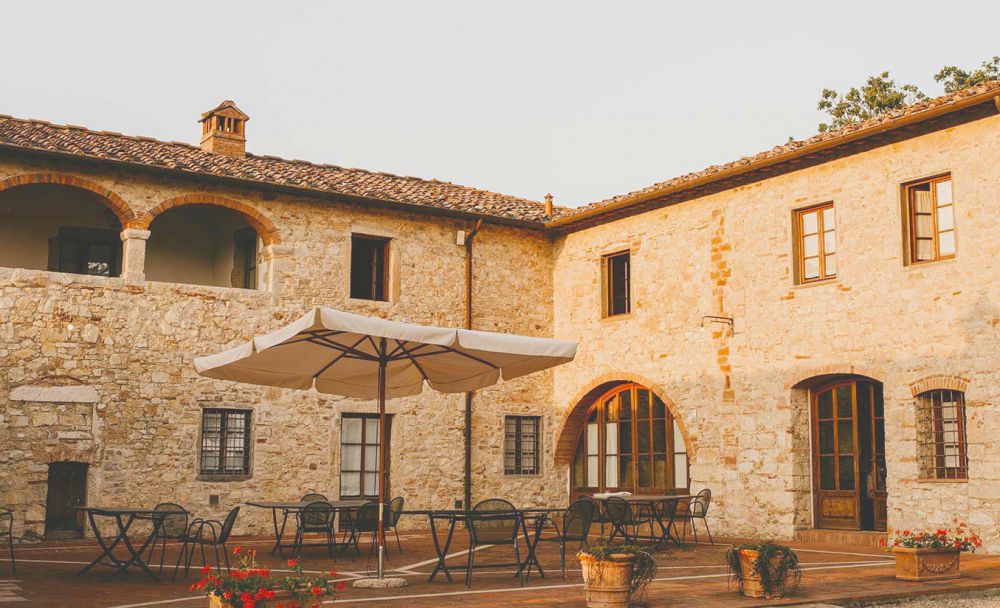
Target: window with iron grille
[
  {"x": 521, "y": 445},
  {"x": 942, "y": 445},
  {"x": 225, "y": 442}
]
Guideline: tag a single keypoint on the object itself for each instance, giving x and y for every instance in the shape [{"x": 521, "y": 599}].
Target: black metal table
[
  {"x": 288, "y": 508},
  {"x": 124, "y": 518},
  {"x": 653, "y": 501},
  {"x": 453, "y": 516}
]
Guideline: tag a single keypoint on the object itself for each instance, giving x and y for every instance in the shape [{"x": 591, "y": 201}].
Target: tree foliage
[
  {"x": 879, "y": 94},
  {"x": 955, "y": 79}
]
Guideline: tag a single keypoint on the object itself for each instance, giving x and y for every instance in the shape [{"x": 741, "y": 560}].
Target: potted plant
[
  {"x": 249, "y": 585},
  {"x": 763, "y": 569},
  {"x": 615, "y": 573},
  {"x": 929, "y": 556}
]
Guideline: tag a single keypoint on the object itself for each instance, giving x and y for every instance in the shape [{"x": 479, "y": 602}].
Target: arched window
[
  {"x": 203, "y": 245},
  {"x": 942, "y": 446},
  {"x": 59, "y": 228},
  {"x": 629, "y": 442}
]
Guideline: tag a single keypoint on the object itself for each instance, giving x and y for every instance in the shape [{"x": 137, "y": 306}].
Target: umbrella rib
[
  {"x": 321, "y": 341},
  {"x": 448, "y": 349},
  {"x": 309, "y": 336},
  {"x": 417, "y": 365},
  {"x": 335, "y": 359}
]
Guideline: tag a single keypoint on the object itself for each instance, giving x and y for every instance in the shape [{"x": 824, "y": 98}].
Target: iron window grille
[
  {"x": 521, "y": 445},
  {"x": 225, "y": 442},
  {"x": 943, "y": 448}
]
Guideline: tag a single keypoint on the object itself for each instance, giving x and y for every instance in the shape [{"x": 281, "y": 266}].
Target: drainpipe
[{"x": 468, "y": 396}]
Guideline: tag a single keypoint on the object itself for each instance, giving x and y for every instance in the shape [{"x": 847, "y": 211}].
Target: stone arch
[
  {"x": 828, "y": 373},
  {"x": 576, "y": 412},
  {"x": 265, "y": 228},
  {"x": 122, "y": 210},
  {"x": 939, "y": 382}
]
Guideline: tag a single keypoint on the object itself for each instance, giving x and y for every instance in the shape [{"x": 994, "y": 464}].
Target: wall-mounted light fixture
[{"x": 720, "y": 320}]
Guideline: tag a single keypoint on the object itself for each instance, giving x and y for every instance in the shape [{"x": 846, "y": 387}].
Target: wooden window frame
[
  {"x": 221, "y": 470},
  {"x": 245, "y": 262},
  {"x": 83, "y": 239},
  {"x": 909, "y": 219},
  {"x": 607, "y": 284},
  {"x": 517, "y": 449},
  {"x": 934, "y": 454},
  {"x": 363, "y": 471},
  {"x": 379, "y": 278},
  {"x": 798, "y": 216}
]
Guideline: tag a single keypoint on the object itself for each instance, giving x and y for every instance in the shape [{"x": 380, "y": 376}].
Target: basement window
[
  {"x": 369, "y": 273},
  {"x": 617, "y": 271}
]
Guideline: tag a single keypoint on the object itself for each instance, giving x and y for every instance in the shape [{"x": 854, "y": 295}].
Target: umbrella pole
[{"x": 382, "y": 363}]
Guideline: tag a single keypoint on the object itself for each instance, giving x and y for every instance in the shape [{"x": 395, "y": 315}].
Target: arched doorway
[
  {"x": 629, "y": 442},
  {"x": 848, "y": 454}
]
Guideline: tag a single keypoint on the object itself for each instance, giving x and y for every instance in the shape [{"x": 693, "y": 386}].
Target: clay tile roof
[
  {"x": 271, "y": 170},
  {"x": 879, "y": 123}
]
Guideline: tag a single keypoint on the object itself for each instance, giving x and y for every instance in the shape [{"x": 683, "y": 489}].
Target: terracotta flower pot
[
  {"x": 750, "y": 583},
  {"x": 608, "y": 583},
  {"x": 927, "y": 564}
]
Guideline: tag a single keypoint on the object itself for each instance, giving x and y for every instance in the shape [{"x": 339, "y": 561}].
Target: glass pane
[
  {"x": 829, "y": 223},
  {"x": 645, "y": 472},
  {"x": 612, "y": 409},
  {"x": 626, "y": 399},
  {"x": 922, "y": 199},
  {"x": 611, "y": 471},
  {"x": 924, "y": 225},
  {"x": 371, "y": 458},
  {"x": 830, "y": 242},
  {"x": 642, "y": 438},
  {"x": 863, "y": 393},
  {"x": 371, "y": 430},
  {"x": 659, "y": 410},
  {"x": 350, "y": 458},
  {"x": 846, "y": 472},
  {"x": 350, "y": 484},
  {"x": 625, "y": 469},
  {"x": 660, "y": 436},
  {"x": 660, "y": 471},
  {"x": 809, "y": 223},
  {"x": 946, "y": 218},
  {"x": 826, "y": 405},
  {"x": 350, "y": 430},
  {"x": 579, "y": 467},
  {"x": 844, "y": 409},
  {"x": 611, "y": 438},
  {"x": 827, "y": 475},
  {"x": 678, "y": 439},
  {"x": 810, "y": 268},
  {"x": 946, "y": 242},
  {"x": 371, "y": 484},
  {"x": 593, "y": 471},
  {"x": 925, "y": 249},
  {"x": 99, "y": 260},
  {"x": 943, "y": 192},
  {"x": 592, "y": 416},
  {"x": 680, "y": 471},
  {"x": 642, "y": 407},
  {"x": 625, "y": 438},
  {"x": 810, "y": 245},
  {"x": 826, "y": 437},
  {"x": 592, "y": 445},
  {"x": 831, "y": 265},
  {"x": 879, "y": 406},
  {"x": 845, "y": 436}
]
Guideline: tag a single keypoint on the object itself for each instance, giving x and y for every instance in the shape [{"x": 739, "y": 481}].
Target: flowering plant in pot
[
  {"x": 927, "y": 556},
  {"x": 249, "y": 585},
  {"x": 764, "y": 569},
  {"x": 613, "y": 573}
]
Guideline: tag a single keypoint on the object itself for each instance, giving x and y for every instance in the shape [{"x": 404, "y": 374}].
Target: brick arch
[
  {"x": 576, "y": 413},
  {"x": 820, "y": 375},
  {"x": 939, "y": 382},
  {"x": 122, "y": 210},
  {"x": 265, "y": 227}
]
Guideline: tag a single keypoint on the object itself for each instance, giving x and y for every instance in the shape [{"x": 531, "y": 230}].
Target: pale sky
[{"x": 582, "y": 99}]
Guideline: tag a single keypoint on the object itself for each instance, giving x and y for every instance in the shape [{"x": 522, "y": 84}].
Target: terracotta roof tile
[{"x": 331, "y": 179}]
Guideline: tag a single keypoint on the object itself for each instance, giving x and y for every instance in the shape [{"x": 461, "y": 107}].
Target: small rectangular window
[
  {"x": 521, "y": 445},
  {"x": 943, "y": 447},
  {"x": 225, "y": 442},
  {"x": 359, "y": 454},
  {"x": 816, "y": 243},
  {"x": 617, "y": 269},
  {"x": 86, "y": 251},
  {"x": 930, "y": 220},
  {"x": 369, "y": 273}
]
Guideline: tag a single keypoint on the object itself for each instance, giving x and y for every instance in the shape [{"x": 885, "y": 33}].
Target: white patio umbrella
[{"x": 346, "y": 354}]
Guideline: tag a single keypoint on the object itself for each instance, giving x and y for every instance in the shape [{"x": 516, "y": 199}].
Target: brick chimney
[
  {"x": 549, "y": 209},
  {"x": 223, "y": 130}
]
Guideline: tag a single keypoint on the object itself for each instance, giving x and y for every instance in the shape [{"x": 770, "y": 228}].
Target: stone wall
[
  {"x": 133, "y": 341},
  {"x": 743, "y": 397}
]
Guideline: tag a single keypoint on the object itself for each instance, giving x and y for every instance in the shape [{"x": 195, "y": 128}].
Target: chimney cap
[
  {"x": 549, "y": 209},
  {"x": 228, "y": 109}
]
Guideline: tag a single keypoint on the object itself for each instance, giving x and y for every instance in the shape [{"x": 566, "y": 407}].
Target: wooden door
[
  {"x": 835, "y": 457},
  {"x": 67, "y": 487}
]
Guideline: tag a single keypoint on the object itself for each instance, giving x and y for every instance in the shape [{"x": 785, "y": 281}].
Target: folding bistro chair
[
  {"x": 197, "y": 537},
  {"x": 622, "y": 515},
  {"x": 365, "y": 521},
  {"x": 574, "y": 528},
  {"x": 392, "y": 515},
  {"x": 697, "y": 509},
  {"x": 173, "y": 526},
  {"x": 314, "y": 518},
  {"x": 493, "y": 522}
]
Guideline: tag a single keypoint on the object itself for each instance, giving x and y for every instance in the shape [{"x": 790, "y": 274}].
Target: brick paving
[{"x": 688, "y": 576}]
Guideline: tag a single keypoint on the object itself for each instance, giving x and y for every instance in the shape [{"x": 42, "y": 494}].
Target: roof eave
[{"x": 860, "y": 134}]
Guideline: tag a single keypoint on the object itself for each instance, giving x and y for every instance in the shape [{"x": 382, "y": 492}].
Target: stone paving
[{"x": 688, "y": 576}]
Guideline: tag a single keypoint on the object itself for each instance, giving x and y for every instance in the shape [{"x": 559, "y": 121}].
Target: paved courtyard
[{"x": 688, "y": 576}]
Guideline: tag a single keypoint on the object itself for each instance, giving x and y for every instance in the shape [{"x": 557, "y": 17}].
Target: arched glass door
[{"x": 629, "y": 442}]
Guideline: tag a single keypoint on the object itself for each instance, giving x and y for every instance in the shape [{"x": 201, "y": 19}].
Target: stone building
[{"x": 810, "y": 332}]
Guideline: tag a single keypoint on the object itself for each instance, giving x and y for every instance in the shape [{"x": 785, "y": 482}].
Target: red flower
[
  {"x": 906, "y": 532},
  {"x": 206, "y": 569},
  {"x": 316, "y": 591},
  {"x": 237, "y": 549},
  {"x": 227, "y": 594},
  {"x": 246, "y": 596},
  {"x": 341, "y": 585},
  {"x": 292, "y": 563}
]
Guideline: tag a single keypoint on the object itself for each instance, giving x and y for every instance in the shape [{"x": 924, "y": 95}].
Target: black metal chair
[
  {"x": 197, "y": 537},
  {"x": 696, "y": 509},
  {"x": 173, "y": 526},
  {"x": 573, "y": 526},
  {"x": 364, "y": 521},
  {"x": 494, "y": 522},
  {"x": 622, "y": 515},
  {"x": 393, "y": 512},
  {"x": 314, "y": 518},
  {"x": 8, "y": 516},
  {"x": 313, "y": 497}
]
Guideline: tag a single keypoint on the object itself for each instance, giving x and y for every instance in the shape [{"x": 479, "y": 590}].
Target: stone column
[
  {"x": 273, "y": 259},
  {"x": 134, "y": 256}
]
